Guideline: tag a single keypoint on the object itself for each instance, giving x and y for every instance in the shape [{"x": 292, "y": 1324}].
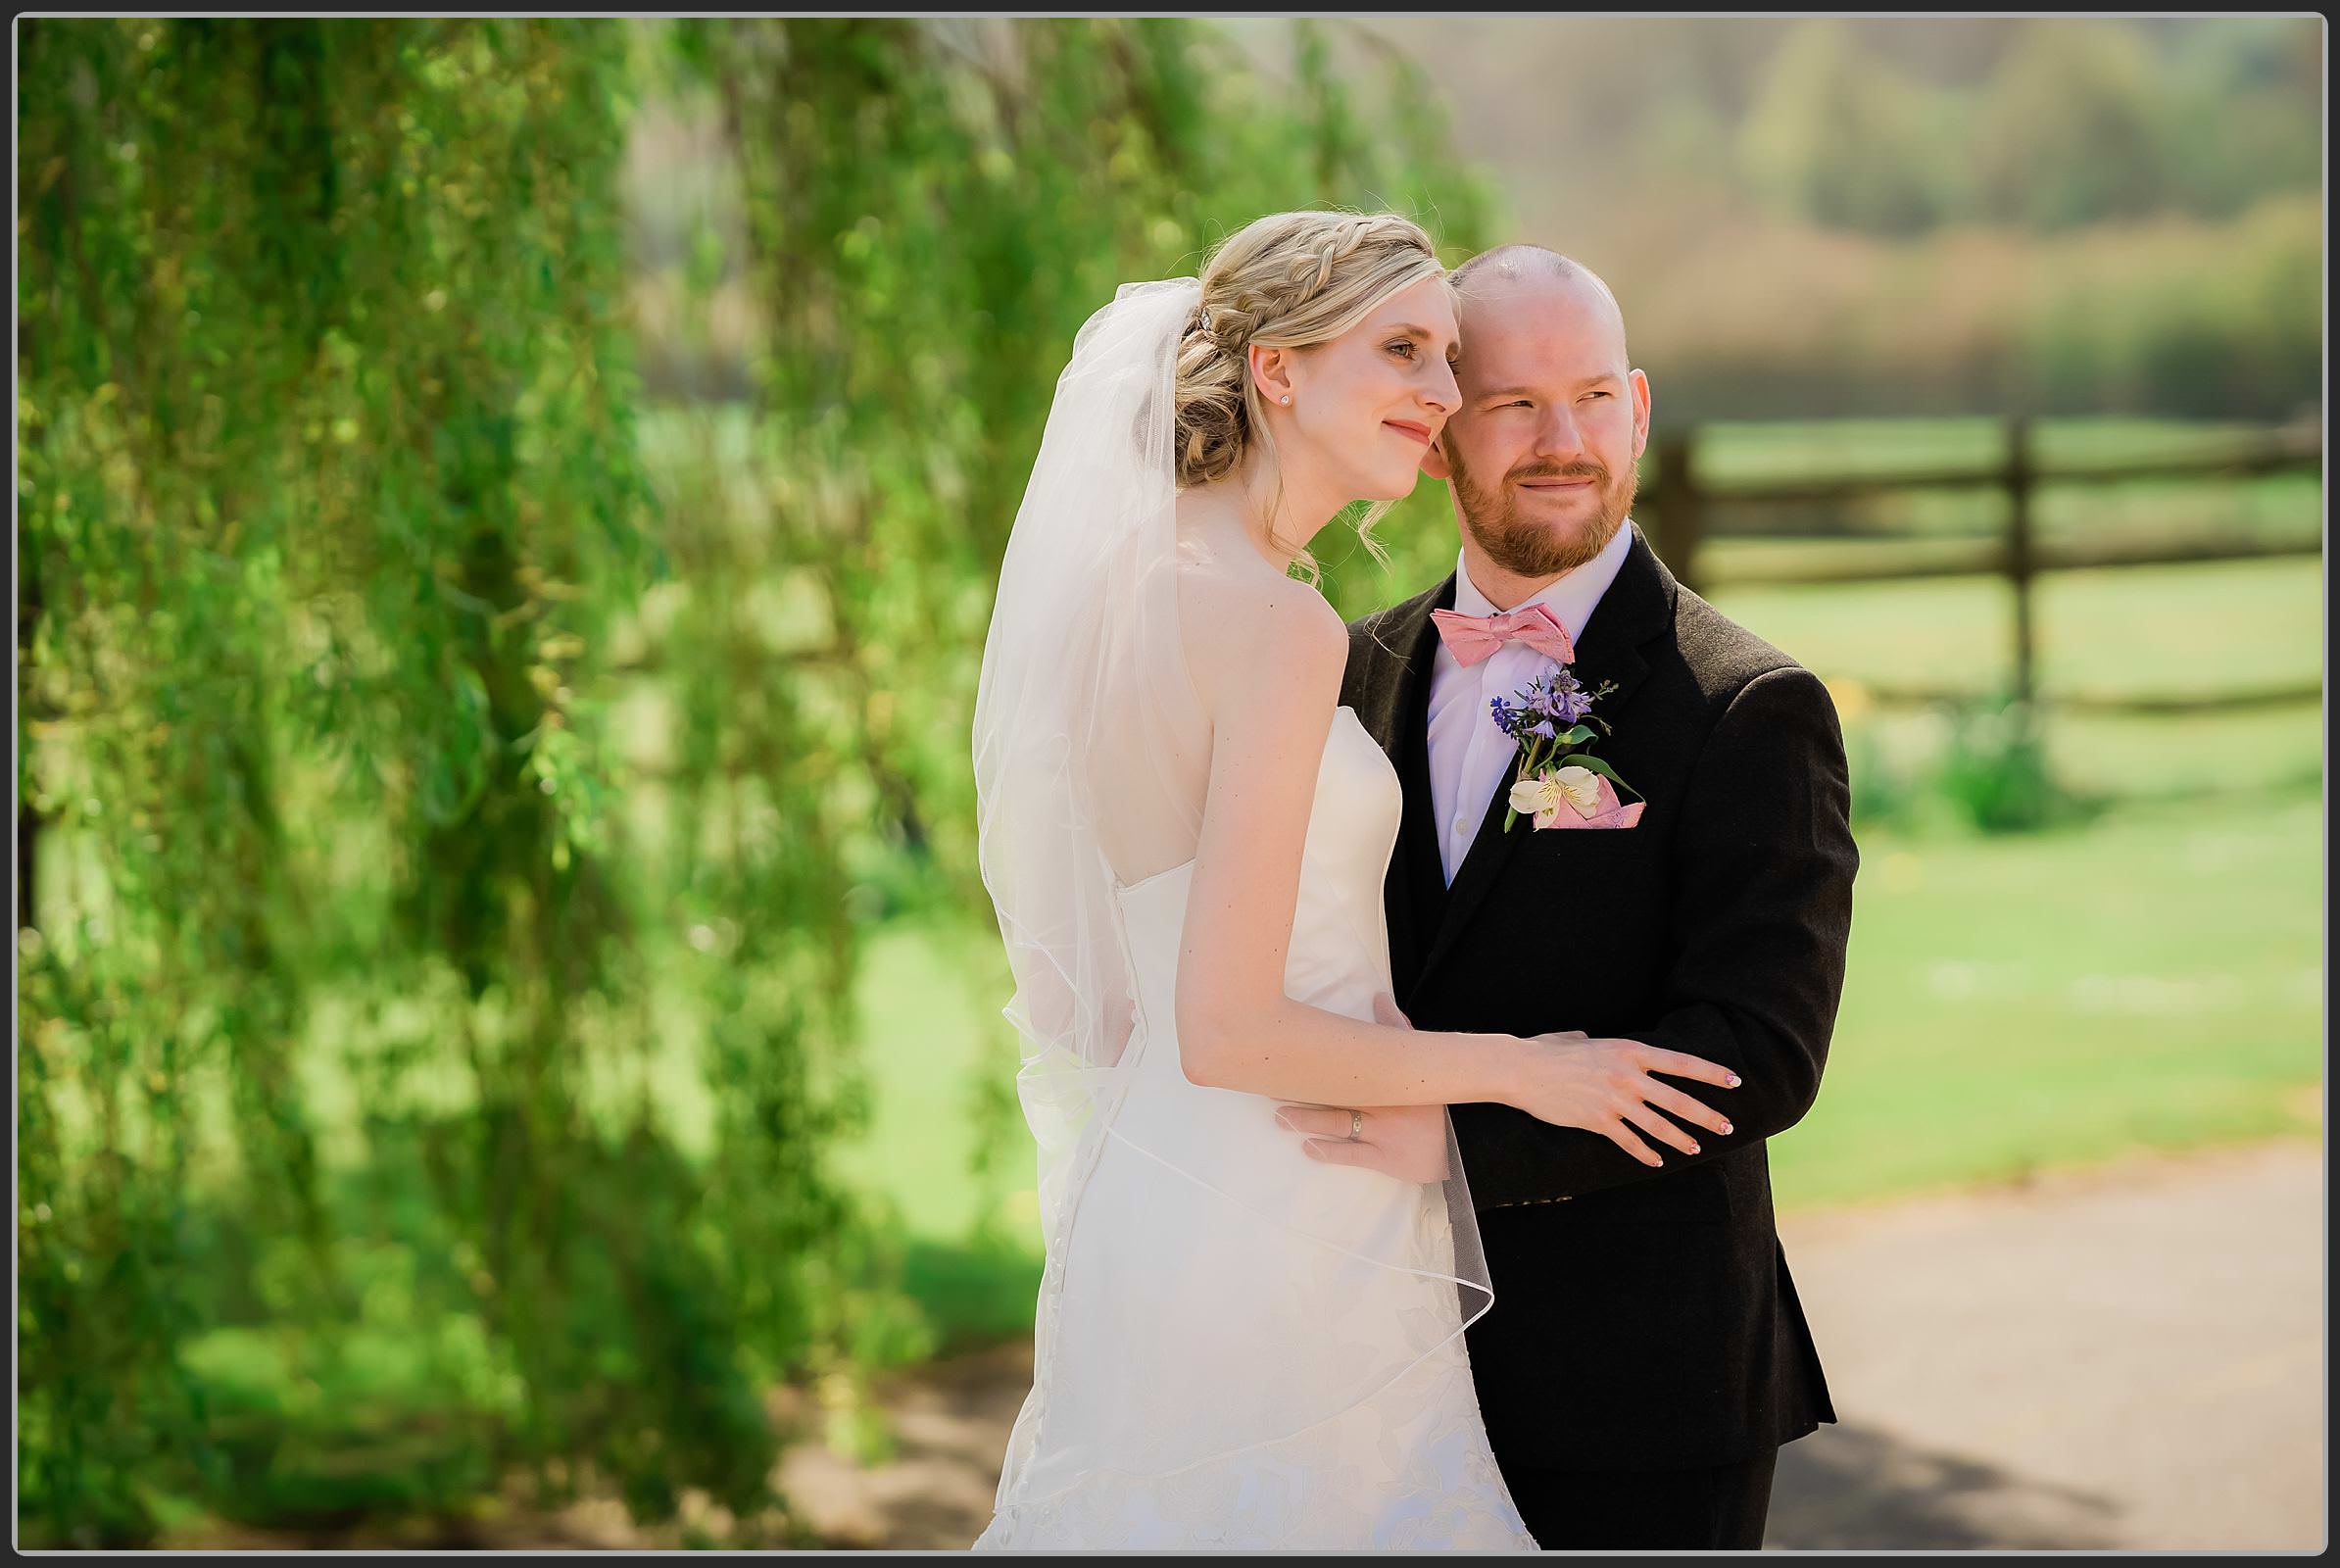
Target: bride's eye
[{"x": 1403, "y": 344}]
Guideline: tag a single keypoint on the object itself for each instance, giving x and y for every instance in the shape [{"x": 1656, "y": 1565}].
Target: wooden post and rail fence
[{"x": 1680, "y": 505}]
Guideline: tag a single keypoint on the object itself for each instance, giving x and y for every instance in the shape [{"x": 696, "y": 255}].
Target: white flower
[
  {"x": 1582, "y": 786},
  {"x": 1533, "y": 797},
  {"x": 1542, "y": 796}
]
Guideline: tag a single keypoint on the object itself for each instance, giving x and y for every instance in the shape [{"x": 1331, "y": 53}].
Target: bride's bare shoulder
[{"x": 1247, "y": 628}]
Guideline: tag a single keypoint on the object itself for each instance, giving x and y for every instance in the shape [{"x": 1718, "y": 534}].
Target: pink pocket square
[{"x": 1612, "y": 812}]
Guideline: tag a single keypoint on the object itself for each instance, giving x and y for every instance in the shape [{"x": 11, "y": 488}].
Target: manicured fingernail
[
  {"x": 1734, "y": 1080},
  {"x": 1726, "y": 1129},
  {"x": 1693, "y": 1148},
  {"x": 1283, "y": 1121}
]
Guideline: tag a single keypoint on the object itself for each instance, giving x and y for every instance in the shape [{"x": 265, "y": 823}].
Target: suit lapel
[
  {"x": 1414, "y": 890},
  {"x": 1637, "y": 606}
]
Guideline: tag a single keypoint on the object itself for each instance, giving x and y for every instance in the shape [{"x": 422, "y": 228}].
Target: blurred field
[
  {"x": 2141, "y": 631},
  {"x": 2011, "y": 1005},
  {"x": 430, "y": 1090},
  {"x": 2151, "y": 978},
  {"x": 2071, "y": 512},
  {"x": 2014, "y": 1003}
]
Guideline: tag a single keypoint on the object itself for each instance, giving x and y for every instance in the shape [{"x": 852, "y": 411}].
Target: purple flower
[{"x": 1545, "y": 706}]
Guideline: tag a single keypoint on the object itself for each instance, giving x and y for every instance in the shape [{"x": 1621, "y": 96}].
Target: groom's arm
[{"x": 1764, "y": 862}]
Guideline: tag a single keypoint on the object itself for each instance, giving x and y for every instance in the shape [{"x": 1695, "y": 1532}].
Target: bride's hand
[
  {"x": 1605, "y": 1086},
  {"x": 1407, "y": 1142}
]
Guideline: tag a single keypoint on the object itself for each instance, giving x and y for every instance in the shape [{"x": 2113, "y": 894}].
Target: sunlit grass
[
  {"x": 2151, "y": 979},
  {"x": 2011, "y": 1003},
  {"x": 2139, "y": 631},
  {"x": 2019, "y": 1002}
]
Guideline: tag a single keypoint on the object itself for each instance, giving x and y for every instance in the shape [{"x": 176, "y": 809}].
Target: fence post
[
  {"x": 2020, "y": 564},
  {"x": 1680, "y": 522}
]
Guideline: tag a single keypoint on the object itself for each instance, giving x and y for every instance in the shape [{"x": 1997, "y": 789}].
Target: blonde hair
[{"x": 1285, "y": 281}]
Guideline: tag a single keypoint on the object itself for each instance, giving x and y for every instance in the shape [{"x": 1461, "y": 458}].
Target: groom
[{"x": 1645, "y": 1357}]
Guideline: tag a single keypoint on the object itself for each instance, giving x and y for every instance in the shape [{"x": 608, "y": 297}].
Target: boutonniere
[{"x": 1560, "y": 783}]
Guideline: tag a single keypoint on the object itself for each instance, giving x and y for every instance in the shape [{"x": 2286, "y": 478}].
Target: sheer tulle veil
[
  {"x": 1089, "y": 746},
  {"x": 1084, "y": 633}
]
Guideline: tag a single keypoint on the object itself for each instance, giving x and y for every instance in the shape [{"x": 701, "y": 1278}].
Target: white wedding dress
[
  {"x": 1268, "y": 1348},
  {"x": 1235, "y": 1346}
]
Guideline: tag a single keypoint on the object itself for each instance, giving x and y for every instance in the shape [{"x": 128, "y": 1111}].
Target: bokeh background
[{"x": 508, "y": 1019}]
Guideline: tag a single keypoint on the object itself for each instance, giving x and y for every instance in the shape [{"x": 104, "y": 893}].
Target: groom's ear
[{"x": 1434, "y": 459}]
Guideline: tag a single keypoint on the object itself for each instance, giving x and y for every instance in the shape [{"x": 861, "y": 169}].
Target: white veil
[
  {"x": 1091, "y": 752},
  {"x": 1083, "y": 664}
]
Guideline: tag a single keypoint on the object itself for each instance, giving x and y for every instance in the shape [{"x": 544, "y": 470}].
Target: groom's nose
[{"x": 1557, "y": 436}]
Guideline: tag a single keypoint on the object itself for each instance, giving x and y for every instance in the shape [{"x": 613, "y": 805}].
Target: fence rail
[{"x": 1681, "y": 504}]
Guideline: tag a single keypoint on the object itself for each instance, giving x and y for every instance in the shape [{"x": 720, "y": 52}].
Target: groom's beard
[{"x": 1527, "y": 549}]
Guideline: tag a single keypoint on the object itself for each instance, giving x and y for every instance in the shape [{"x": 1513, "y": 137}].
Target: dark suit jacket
[{"x": 1643, "y": 1317}]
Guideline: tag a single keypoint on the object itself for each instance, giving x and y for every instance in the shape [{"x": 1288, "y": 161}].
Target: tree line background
[
  {"x": 507, "y": 518},
  {"x": 1828, "y": 216}
]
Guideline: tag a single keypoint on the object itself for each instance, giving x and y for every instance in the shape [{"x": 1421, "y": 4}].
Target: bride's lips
[{"x": 1420, "y": 432}]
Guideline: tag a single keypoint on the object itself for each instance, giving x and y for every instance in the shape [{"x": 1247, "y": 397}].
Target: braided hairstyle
[{"x": 1284, "y": 280}]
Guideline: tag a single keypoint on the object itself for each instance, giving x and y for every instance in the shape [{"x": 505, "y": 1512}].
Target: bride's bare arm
[
  {"x": 1269, "y": 671},
  {"x": 1272, "y": 677}
]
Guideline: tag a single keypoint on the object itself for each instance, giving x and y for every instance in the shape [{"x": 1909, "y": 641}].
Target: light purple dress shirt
[{"x": 1469, "y": 757}]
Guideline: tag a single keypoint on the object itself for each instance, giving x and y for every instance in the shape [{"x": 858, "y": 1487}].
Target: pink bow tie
[{"x": 1472, "y": 638}]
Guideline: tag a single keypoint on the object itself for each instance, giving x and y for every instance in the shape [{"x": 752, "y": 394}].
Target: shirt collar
[{"x": 1571, "y": 597}]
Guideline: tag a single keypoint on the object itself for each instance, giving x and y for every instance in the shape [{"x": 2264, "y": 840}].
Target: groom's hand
[{"x": 1407, "y": 1142}]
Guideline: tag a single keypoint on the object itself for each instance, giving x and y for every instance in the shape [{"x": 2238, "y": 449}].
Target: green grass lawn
[
  {"x": 2147, "y": 631},
  {"x": 2151, "y": 631},
  {"x": 1738, "y": 452},
  {"x": 2285, "y": 506},
  {"x": 2014, "y": 1004},
  {"x": 2152, "y": 979}
]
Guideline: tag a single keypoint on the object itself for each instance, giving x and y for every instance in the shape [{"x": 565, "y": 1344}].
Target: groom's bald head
[
  {"x": 1492, "y": 275},
  {"x": 1542, "y": 450}
]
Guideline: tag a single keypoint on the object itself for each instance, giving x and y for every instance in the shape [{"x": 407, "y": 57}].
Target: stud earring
[{"x": 1288, "y": 397}]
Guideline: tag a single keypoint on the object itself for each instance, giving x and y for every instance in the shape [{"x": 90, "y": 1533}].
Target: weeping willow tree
[
  {"x": 327, "y": 493},
  {"x": 931, "y": 211},
  {"x": 350, "y": 1168}
]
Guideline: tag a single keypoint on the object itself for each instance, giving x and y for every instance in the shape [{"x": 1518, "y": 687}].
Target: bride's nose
[{"x": 1444, "y": 394}]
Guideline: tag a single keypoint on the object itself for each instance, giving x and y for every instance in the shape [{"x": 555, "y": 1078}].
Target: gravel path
[
  {"x": 2131, "y": 1357},
  {"x": 2125, "y": 1358}
]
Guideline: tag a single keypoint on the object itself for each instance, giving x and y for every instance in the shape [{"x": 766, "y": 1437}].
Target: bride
[{"x": 1238, "y": 1344}]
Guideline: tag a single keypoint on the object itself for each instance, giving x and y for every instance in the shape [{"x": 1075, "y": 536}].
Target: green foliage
[
  {"x": 2233, "y": 127},
  {"x": 1847, "y": 141},
  {"x": 1883, "y": 792},
  {"x": 2066, "y": 134},
  {"x": 2078, "y": 120},
  {"x": 328, "y": 494},
  {"x": 919, "y": 275},
  {"x": 341, "y": 554},
  {"x": 1995, "y": 768}
]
